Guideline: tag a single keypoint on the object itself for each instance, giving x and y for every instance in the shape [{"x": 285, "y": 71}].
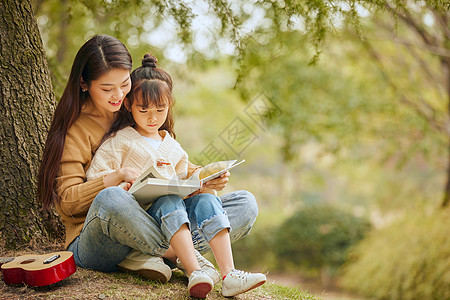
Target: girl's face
[
  {"x": 108, "y": 91},
  {"x": 149, "y": 119}
]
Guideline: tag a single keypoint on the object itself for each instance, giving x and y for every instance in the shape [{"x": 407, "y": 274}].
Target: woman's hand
[
  {"x": 218, "y": 183},
  {"x": 127, "y": 175}
]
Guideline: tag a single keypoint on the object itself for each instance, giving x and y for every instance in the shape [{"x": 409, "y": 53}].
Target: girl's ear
[
  {"x": 126, "y": 102},
  {"x": 84, "y": 85}
]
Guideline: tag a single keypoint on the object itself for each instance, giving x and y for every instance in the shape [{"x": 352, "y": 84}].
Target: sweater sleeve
[
  {"x": 192, "y": 168},
  {"x": 106, "y": 160},
  {"x": 76, "y": 195}
]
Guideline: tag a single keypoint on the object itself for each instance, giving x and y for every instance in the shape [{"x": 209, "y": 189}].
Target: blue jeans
[
  {"x": 115, "y": 224},
  {"x": 203, "y": 213}
]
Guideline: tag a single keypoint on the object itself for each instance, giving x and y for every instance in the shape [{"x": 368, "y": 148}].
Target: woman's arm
[
  {"x": 75, "y": 191},
  {"x": 75, "y": 194}
]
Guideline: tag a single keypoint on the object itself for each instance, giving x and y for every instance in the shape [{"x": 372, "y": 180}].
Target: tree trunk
[{"x": 26, "y": 108}]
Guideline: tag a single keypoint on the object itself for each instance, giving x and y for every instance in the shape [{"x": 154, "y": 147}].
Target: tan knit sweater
[{"x": 75, "y": 193}]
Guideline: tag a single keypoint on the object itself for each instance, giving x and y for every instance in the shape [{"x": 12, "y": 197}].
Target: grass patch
[{"x": 88, "y": 284}]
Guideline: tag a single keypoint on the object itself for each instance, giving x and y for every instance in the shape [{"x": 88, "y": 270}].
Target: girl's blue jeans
[
  {"x": 115, "y": 224},
  {"x": 203, "y": 213}
]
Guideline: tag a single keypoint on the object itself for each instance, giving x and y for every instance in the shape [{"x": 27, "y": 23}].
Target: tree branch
[
  {"x": 431, "y": 48},
  {"x": 429, "y": 116},
  {"x": 435, "y": 50},
  {"x": 223, "y": 11},
  {"x": 407, "y": 19},
  {"x": 440, "y": 126}
]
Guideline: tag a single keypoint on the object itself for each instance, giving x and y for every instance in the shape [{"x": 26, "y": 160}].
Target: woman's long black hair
[{"x": 100, "y": 54}]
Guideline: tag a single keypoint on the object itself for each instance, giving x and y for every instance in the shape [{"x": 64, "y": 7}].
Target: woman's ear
[{"x": 84, "y": 85}]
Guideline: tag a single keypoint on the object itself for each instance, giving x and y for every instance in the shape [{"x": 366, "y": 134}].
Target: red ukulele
[{"x": 39, "y": 270}]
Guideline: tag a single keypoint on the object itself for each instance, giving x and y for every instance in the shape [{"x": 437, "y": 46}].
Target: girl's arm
[
  {"x": 108, "y": 161},
  {"x": 123, "y": 175},
  {"x": 192, "y": 169}
]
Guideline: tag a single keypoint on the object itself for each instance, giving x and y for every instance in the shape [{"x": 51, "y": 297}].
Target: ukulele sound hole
[{"x": 28, "y": 261}]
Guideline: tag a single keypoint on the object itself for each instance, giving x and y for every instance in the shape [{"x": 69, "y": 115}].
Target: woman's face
[{"x": 108, "y": 92}]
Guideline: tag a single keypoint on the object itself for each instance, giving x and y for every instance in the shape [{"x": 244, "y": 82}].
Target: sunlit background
[{"x": 343, "y": 125}]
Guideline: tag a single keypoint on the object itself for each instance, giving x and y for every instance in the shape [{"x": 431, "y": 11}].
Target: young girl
[{"x": 143, "y": 136}]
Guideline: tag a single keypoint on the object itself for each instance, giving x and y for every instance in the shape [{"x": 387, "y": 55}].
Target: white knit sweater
[{"x": 129, "y": 149}]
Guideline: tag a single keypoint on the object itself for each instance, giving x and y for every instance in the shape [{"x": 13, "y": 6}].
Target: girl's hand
[
  {"x": 128, "y": 175},
  {"x": 218, "y": 183}
]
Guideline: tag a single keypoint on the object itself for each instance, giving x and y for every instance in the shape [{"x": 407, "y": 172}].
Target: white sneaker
[
  {"x": 205, "y": 265},
  {"x": 200, "y": 284},
  {"x": 148, "y": 266},
  {"x": 237, "y": 282}
]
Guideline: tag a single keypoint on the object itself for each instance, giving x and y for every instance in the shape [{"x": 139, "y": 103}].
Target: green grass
[{"x": 87, "y": 284}]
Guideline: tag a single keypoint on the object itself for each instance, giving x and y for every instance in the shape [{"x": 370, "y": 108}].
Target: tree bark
[{"x": 26, "y": 108}]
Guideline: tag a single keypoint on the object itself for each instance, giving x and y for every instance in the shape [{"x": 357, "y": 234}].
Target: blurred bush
[
  {"x": 255, "y": 252},
  {"x": 406, "y": 261},
  {"x": 317, "y": 237}
]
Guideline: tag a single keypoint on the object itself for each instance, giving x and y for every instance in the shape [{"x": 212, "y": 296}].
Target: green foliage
[
  {"x": 256, "y": 250},
  {"x": 66, "y": 25},
  {"x": 335, "y": 104},
  {"x": 318, "y": 236},
  {"x": 411, "y": 79},
  {"x": 408, "y": 260},
  {"x": 324, "y": 104}
]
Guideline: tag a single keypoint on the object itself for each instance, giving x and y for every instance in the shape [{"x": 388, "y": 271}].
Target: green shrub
[
  {"x": 406, "y": 261},
  {"x": 255, "y": 251},
  {"x": 318, "y": 237}
]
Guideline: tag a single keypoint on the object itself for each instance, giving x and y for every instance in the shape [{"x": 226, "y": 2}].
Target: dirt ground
[
  {"x": 87, "y": 284},
  {"x": 312, "y": 286}
]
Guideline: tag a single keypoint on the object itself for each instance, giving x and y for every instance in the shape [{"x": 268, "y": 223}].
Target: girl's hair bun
[{"x": 149, "y": 61}]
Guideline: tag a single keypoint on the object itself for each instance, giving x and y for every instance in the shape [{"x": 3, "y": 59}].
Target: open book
[{"x": 151, "y": 185}]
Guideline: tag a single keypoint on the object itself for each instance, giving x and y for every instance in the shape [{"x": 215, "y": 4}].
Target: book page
[
  {"x": 151, "y": 172},
  {"x": 215, "y": 169},
  {"x": 152, "y": 188}
]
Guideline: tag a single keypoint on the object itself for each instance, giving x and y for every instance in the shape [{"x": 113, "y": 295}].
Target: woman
[{"x": 103, "y": 222}]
